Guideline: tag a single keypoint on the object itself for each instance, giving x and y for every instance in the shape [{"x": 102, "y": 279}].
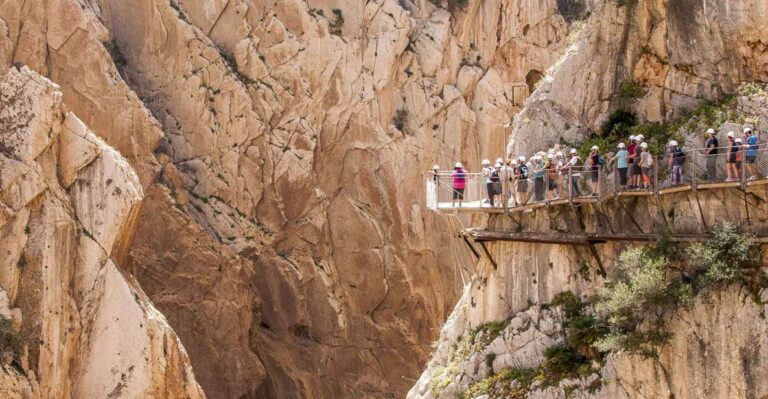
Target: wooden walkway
[{"x": 482, "y": 235}]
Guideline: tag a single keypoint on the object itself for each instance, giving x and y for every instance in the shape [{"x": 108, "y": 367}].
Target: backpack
[
  {"x": 460, "y": 175},
  {"x": 600, "y": 161},
  {"x": 495, "y": 175},
  {"x": 524, "y": 172},
  {"x": 679, "y": 156}
]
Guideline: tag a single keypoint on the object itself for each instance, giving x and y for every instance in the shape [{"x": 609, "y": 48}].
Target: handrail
[{"x": 695, "y": 170}]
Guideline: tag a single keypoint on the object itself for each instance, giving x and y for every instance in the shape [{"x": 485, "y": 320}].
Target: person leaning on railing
[
  {"x": 622, "y": 162},
  {"x": 711, "y": 148}
]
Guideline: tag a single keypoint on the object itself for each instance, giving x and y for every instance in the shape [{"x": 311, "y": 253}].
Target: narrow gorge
[{"x": 226, "y": 198}]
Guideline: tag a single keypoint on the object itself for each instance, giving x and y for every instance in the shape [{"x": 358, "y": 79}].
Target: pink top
[{"x": 459, "y": 178}]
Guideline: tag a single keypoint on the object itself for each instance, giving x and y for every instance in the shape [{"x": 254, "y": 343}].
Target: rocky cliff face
[
  {"x": 280, "y": 146},
  {"x": 673, "y": 56},
  {"x": 79, "y": 326}
]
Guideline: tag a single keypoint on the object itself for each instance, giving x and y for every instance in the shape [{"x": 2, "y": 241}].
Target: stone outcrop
[
  {"x": 69, "y": 205},
  {"x": 676, "y": 53}
]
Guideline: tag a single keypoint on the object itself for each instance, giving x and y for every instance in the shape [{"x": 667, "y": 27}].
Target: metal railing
[{"x": 697, "y": 168}]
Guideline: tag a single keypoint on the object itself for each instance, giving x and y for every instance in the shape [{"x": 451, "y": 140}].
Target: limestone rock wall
[
  {"x": 678, "y": 52},
  {"x": 280, "y": 146},
  {"x": 69, "y": 205}
]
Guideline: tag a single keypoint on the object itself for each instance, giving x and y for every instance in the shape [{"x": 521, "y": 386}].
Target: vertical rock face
[
  {"x": 69, "y": 207},
  {"x": 678, "y": 52}
]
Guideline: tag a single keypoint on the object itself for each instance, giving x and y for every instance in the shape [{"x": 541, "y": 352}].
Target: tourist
[
  {"x": 711, "y": 147},
  {"x": 551, "y": 171},
  {"x": 637, "y": 174},
  {"x": 733, "y": 149},
  {"x": 738, "y": 151},
  {"x": 622, "y": 162},
  {"x": 496, "y": 184},
  {"x": 631, "y": 160},
  {"x": 574, "y": 167},
  {"x": 436, "y": 173},
  {"x": 509, "y": 172},
  {"x": 485, "y": 173},
  {"x": 559, "y": 164},
  {"x": 596, "y": 162},
  {"x": 521, "y": 175},
  {"x": 676, "y": 162},
  {"x": 751, "y": 152},
  {"x": 538, "y": 178},
  {"x": 459, "y": 183},
  {"x": 646, "y": 163}
]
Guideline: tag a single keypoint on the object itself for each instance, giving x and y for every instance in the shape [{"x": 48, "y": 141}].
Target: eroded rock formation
[{"x": 69, "y": 205}]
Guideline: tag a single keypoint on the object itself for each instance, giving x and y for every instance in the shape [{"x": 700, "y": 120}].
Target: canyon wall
[
  {"x": 280, "y": 148},
  {"x": 74, "y": 324}
]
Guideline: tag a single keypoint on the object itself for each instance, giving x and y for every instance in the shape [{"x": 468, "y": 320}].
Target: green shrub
[
  {"x": 726, "y": 258},
  {"x": 10, "y": 340}
]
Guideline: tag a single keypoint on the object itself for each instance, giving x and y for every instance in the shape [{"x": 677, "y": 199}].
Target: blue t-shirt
[
  {"x": 752, "y": 149},
  {"x": 622, "y": 158}
]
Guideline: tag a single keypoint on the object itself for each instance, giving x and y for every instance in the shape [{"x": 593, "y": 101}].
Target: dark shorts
[
  {"x": 732, "y": 158},
  {"x": 646, "y": 172},
  {"x": 595, "y": 175},
  {"x": 751, "y": 158},
  {"x": 552, "y": 184},
  {"x": 522, "y": 186},
  {"x": 458, "y": 193},
  {"x": 497, "y": 188},
  {"x": 636, "y": 169}
]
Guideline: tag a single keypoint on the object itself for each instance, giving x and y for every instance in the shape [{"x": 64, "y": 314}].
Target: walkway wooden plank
[{"x": 481, "y": 235}]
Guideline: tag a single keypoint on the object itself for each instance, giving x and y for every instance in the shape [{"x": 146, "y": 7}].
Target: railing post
[
  {"x": 655, "y": 182},
  {"x": 743, "y": 168},
  {"x": 570, "y": 184}
]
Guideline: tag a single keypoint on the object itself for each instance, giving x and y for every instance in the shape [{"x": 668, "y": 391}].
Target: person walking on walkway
[
  {"x": 738, "y": 146},
  {"x": 676, "y": 162},
  {"x": 637, "y": 173},
  {"x": 496, "y": 185},
  {"x": 751, "y": 152},
  {"x": 509, "y": 173},
  {"x": 559, "y": 165},
  {"x": 485, "y": 173},
  {"x": 646, "y": 163},
  {"x": 631, "y": 160},
  {"x": 459, "y": 176},
  {"x": 711, "y": 148},
  {"x": 596, "y": 163},
  {"x": 622, "y": 162},
  {"x": 551, "y": 171},
  {"x": 538, "y": 178},
  {"x": 521, "y": 176},
  {"x": 574, "y": 166},
  {"x": 733, "y": 149}
]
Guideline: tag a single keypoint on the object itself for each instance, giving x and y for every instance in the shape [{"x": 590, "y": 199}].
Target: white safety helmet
[
  {"x": 573, "y": 151},
  {"x": 731, "y": 134},
  {"x": 644, "y": 145},
  {"x": 550, "y": 156},
  {"x": 621, "y": 145},
  {"x": 559, "y": 154},
  {"x": 595, "y": 148},
  {"x": 499, "y": 160},
  {"x": 710, "y": 131},
  {"x": 673, "y": 143},
  {"x": 458, "y": 165},
  {"x": 738, "y": 140},
  {"x": 639, "y": 137},
  {"x": 747, "y": 130},
  {"x": 521, "y": 158},
  {"x": 486, "y": 162},
  {"x": 499, "y": 164},
  {"x": 436, "y": 167}
]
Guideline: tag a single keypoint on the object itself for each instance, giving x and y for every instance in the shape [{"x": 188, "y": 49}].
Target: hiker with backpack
[
  {"x": 646, "y": 163},
  {"x": 676, "y": 162},
  {"x": 637, "y": 173},
  {"x": 733, "y": 149},
  {"x": 521, "y": 177},
  {"x": 551, "y": 172},
  {"x": 459, "y": 176},
  {"x": 596, "y": 162},
  {"x": 574, "y": 165}
]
